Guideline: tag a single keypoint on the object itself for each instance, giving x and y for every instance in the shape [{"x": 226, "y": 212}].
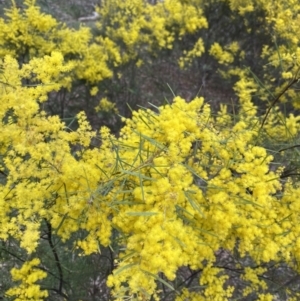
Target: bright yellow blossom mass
[{"x": 177, "y": 188}]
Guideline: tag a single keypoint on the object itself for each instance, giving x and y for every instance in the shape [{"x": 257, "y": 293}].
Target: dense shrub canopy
[{"x": 184, "y": 202}]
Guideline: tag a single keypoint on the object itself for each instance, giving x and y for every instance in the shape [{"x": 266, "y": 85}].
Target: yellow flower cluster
[
  {"x": 137, "y": 26},
  {"x": 281, "y": 56},
  {"x": 29, "y": 34},
  {"x": 28, "y": 274},
  {"x": 106, "y": 106},
  {"x": 223, "y": 57},
  {"x": 188, "y": 57},
  {"x": 241, "y": 6}
]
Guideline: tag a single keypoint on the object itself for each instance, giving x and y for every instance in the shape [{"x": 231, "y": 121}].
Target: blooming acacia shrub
[
  {"x": 179, "y": 187},
  {"x": 174, "y": 189},
  {"x": 201, "y": 188},
  {"x": 134, "y": 37}
]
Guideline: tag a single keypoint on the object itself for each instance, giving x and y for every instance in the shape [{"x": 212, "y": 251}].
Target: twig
[
  {"x": 292, "y": 82},
  {"x": 58, "y": 265}
]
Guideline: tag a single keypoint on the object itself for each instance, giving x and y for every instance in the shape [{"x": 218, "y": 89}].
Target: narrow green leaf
[
  {"x": 258, "y": 81},
  {"x": 192, "y": 171},
  {"x": 151, "y": 104},
  {"x": 159, "y": 279},
  {"x": 144, "y": 122},
  {"x": 171, "y": 90},
  {"x": 247, "y": 202},
  {"x": 106, "y": 189},
  {"x": 102, "y": 170},
  {"x": 285, "y": 218},
  {"x": 129, "y": 107},
  {"x": 207, "y": 232},
  {"x": 61, "y": 223},
  {"x": 125, "y": 202},
  {"x": 136, "y": 174},
  {"x": 141, "y": 213},
  {"x": 125, "y": 267},
  {"x": 279, "y": 55},
  {"x": 128, "y": 256},
  {"x": 193, "y": 203},
  {"x": 152, "y": 141}
]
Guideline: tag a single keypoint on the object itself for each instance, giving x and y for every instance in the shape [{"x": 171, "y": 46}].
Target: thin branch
[
  {"x": 13, "y": 255},
  {"x": 22, "y": 260},
  {"x": 289, "y": 175},
  {"x": 291, "y": 83},
  {"x": 3, "y": 173},
  {"x": 290, "y": 147},
  {"x": 58, "y": 265}
]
